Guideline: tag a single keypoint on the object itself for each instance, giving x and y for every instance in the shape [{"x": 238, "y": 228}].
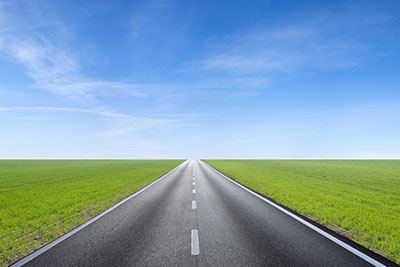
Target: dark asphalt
[{"x": 235, "y": 229}]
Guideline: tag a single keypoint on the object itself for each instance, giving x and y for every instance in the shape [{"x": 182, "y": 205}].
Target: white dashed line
[
  {"x": 195, "y": 242},
  {"x": 194, "y": 183},
  {"x": 194, "y": 206},
  {"x": 194, "y": 191}
]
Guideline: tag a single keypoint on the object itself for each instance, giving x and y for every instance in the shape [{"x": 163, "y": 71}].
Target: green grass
[
  {"x": 41, "y": 200},
  {"x": 357, "y": 198}
]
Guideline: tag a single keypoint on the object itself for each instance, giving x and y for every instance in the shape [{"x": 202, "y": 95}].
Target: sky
[{"x": 199, "y": 79}]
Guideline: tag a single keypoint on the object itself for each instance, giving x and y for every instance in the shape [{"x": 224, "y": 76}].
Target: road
[{"x": 195, "y": 217}]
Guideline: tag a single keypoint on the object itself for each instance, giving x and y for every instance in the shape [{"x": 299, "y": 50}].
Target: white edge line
[
  {"x": 316, "y": 229},
  {"x": 195, "y": 242},
  {"x": 77, "y": 229}
]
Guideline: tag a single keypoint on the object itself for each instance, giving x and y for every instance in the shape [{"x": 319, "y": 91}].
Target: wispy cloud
[
  {"x": 119, "y": 123},
  {"x": 58, "y": 71},
  {"x": 240, "y": 64},
  {"x": 52, "y": 68},
  {"x": 319, "y": 41},
  {"x": 122, "y": 124},
  {"x": 99, "y": 111},
  {"x": 282, "y": 50}
]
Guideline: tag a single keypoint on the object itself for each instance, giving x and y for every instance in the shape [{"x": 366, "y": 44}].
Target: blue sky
[{"x": 200, "y": 79}]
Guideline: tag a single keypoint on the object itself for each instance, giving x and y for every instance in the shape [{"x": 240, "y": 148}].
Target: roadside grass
[
  {"x": 359, "y": 199},
  {"x": 40, "y": 200}
]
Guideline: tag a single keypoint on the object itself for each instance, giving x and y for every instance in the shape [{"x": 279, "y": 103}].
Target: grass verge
[
  {"x": 40, "y": 200},
  {"x": 359, "y": 199}
]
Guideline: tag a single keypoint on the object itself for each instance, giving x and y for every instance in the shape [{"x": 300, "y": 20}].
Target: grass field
[
  {"x": 42, "y": 199},
  {"x": 357, "y": 198}
]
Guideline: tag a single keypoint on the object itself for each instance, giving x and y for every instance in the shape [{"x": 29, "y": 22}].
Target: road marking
[
  {"x": 195, "y": 242},
  {"x": 42, "y": 250},
  {"x": 193, "y": 178},
  {"x": 194, "y": 206},
  {"x": 313, "y": 227},
  {"x": 194, "y": 191},
  {"x": 194, "y": 183}
]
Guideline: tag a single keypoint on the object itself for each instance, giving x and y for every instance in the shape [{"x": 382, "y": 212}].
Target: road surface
[{"x": 195, "y": 217}]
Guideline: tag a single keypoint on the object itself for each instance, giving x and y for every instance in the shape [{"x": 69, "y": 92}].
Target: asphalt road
[{"x": 195, "y": 217}]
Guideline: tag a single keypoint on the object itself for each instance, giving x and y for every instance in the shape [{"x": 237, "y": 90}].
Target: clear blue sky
[{"x": 200, "y": 79}]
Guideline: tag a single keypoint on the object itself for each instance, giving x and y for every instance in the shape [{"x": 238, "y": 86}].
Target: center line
[
  {"x": 195, "y": 242},
  {"x": 194, "y": 206},
  {"x": 194, "y": 191}
]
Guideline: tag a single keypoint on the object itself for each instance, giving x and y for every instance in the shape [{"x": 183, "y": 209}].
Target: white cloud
[
  {"x": 58, "y": 71},
  {"x": 135, "y": 122},
  {"x": 316, "y": 41},
  {"x": 280, "y": 50},
  {"x": 118, "y": 124},
  {"x": 52, "y": 68}
]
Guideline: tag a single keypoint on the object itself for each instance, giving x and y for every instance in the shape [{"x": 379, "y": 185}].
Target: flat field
[
  {"x": 357, "y": 198},
  {"x": 41, "y": 200}
]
